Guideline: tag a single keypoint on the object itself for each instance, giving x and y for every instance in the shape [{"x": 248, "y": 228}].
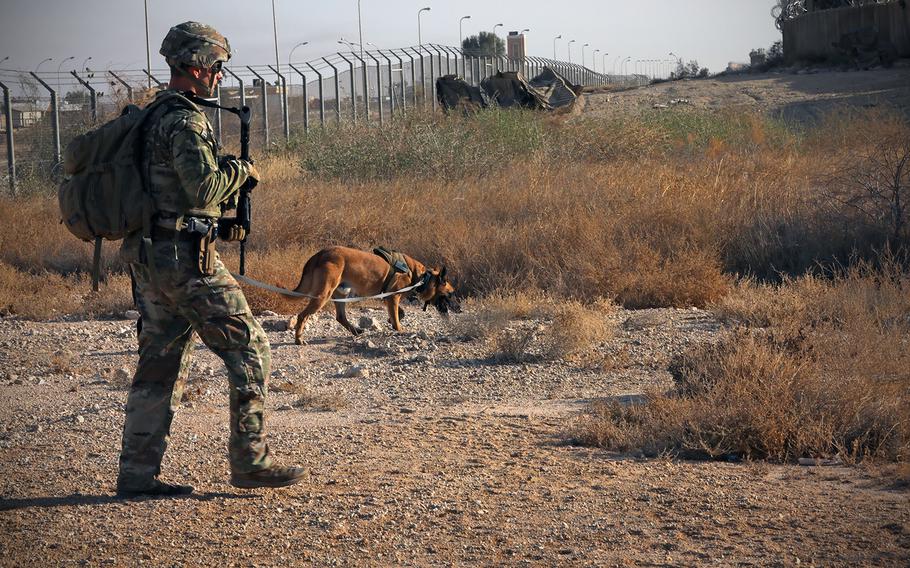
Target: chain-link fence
[{"x": 43, "y": 111}]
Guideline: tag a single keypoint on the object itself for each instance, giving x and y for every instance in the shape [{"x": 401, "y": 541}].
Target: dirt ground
[
  {"x": 803, "y": 96},
  {"x": 427, "y": 452},
  {"x": 421, "y": 448}
]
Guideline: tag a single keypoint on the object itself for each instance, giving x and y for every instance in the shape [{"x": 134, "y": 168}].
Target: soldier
[{"x": 181, "y": 287}]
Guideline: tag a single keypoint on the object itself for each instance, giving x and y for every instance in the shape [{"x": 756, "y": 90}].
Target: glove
[
  {"x": 252, "y": 173},
  {"x": 230, "y": 231}
]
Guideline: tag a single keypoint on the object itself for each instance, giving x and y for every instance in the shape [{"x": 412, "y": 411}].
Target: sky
[{"x": 112, "y": 32}]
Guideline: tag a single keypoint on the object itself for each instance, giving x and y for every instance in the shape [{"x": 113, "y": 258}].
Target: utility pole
[{"x": 148, "y": 53}]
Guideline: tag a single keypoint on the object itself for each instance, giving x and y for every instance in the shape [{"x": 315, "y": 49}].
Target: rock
[
  {"x": 80, "y": 419},
  {"x": 131, "y": 315},
  {"x": 269, "y": 314},
  {"x": 122, "y": 374},
  {"x": 356, "y": 372},
  {"x": 367, "y": 322},
  {"x": 275, "y": 325},
  {"x": 371, "y": 345},
  {"x": 406, "y": 410}
]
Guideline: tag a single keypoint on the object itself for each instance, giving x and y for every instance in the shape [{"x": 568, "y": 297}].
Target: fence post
[
  {"x": 401, "y": 76},
  {"x": 93, "y": 96},
  {"x": 353, "y": 88},
  {"x": 432, "y": 80},
  {"x": 423, "y": 77},
  {"x": 321, "y": 97},
  {"x": 55, "y": 118},
  {"x": 391, "y": 86},
  {"x": 306, "y": 102},
  {"x": 366, "y": 86},
  {"x": 378, "y": 86},
  {"x": 337, "y": 92},
  {"x": 10, "y": 147},
  {"x": 153, "y": 78},
  {"x": 285, "y": 117},
  {"x": 413, "y": 77},
  {"x": 129, "y": 89},
  {"x": 265, "y": 104}
]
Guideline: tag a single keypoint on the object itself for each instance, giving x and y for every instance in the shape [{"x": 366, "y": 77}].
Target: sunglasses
[{"x": 216, "y": 68}]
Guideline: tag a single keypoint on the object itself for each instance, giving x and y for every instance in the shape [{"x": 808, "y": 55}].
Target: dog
[{"x": 336, "y": 272}]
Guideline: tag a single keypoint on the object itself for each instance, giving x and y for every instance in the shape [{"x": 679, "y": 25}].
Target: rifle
[
  {"x": 245, "y": 114},
  {"x": 243, "y": 199}
]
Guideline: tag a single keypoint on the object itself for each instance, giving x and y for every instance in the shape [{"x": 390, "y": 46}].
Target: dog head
[{"x": 438, "y": 291}]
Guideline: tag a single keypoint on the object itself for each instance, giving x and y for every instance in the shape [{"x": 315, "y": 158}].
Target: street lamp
[
  {"x": 84, "y": 63},
  {"x": 42, "y": 63},
  {"x": 569, "y": 48},
  {"x": 460, "y": 35},
  {"x": 554, "y": 44},
  {"x": 583, "y": 53},
  {"x": 496, "y": 26},
  {"x": 4, "y": 59},
  {"x": 623, "y": 65},
  {"x": 301, "y": 44},
  {"x": 594, "y": 59},
  {"x": 58, "y": 70},
  {"x": 603, "y": 62},
  {"x": 678, "y": 60},
  {"x": 419, "y": 39}
]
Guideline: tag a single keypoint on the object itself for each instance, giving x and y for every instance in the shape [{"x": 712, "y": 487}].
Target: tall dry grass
[
  {"x": 658, "y": 210},
  {"x": 818, "y": 368}
]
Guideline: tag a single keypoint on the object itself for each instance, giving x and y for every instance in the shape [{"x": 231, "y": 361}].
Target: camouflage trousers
[{"x": 178, "y": 304}]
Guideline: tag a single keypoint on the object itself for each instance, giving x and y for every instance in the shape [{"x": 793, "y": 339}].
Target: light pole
[
  {"x": 678, "y": 60},
  {"x": 275, "y": 34},
  {"x": 460, "y": 35},
  {"x": 419, "y": 38},
  {"x": 554, "y": 45},
  {"x": 583, "y": 53},
  {"x": 84, "y": 63},
  {"x": 603, "y": 62},
  {"x": 496, "y": 26},
  {"x": 58, "y": 70},
  {"x": 301, "y": 44},
  {"x": 594, "y": 59},
  {"x": 623, "y": 66},
  {"x": 569, "y": 48},
  {"x": 4, "y": 59},
  {"x": 615, "y": 61},
  {"x": 360, "y": 28}
]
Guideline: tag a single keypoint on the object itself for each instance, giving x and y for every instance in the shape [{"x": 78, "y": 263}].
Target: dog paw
[{"x": 299, "y": 341}]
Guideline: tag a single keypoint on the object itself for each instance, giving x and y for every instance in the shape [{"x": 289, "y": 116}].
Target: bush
[{"x": 826, "y": 375}]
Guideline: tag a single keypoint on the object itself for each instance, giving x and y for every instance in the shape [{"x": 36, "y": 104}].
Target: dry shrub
[
  {"x": 576, "y": 330},
  {"x": 486, "y": 317},
  {"x": 513, "y": 344},
  {"x": 48, "y": 295},
  {"x": 320, "y": 401},
  {"x": 829, "y": 377}
]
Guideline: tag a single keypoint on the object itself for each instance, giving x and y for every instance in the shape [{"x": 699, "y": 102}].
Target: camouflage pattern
[
  {"x": 194, "y": 44},
  {"x": 175, "y": 302}
]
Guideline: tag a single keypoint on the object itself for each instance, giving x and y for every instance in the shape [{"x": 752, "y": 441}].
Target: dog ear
[{"x": 442, "y": 274}]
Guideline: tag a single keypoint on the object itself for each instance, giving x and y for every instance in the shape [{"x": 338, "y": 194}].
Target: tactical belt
[{"x": 162, "y": 234}]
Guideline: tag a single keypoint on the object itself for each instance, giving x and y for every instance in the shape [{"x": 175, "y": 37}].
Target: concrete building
[{"x": 515, "y": 46}]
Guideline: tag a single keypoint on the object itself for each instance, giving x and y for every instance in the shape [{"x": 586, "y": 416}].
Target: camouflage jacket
[{"x": 186, "y": 176}]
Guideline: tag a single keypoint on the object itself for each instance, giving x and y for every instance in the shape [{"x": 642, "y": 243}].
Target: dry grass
[
  {"x": 653, "y": 211},
  {"x": 577, "y": 330},
  {"x": 827, "y": 373}
]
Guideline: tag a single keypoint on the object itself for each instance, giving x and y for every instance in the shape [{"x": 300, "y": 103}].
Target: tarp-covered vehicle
[
  {"x": 453, "y": 93},
  {"x": 547, "y": 91}
]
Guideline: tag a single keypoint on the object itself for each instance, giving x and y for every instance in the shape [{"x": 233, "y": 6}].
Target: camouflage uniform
[{"x": 176, "y": 301}]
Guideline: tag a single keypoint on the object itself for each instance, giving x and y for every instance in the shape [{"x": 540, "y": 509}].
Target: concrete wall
[{"x": 812, "y": 34}]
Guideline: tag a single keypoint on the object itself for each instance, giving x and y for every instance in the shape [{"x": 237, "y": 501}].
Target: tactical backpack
[{"x": 104, "y": 194}]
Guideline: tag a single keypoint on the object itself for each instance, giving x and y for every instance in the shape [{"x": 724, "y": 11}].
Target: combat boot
[
  {"x": 154, "y": 489},
  {"x": 274, "y": 476}
]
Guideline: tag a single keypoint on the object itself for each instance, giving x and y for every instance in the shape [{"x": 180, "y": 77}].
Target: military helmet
[{"x": 194, "y": 44}]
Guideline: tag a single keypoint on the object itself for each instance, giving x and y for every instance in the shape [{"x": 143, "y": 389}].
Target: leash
[{"x": 287, "y": 292}]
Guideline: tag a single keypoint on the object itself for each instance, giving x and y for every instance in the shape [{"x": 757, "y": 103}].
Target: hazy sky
[{"x": 112, "y": 32}]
